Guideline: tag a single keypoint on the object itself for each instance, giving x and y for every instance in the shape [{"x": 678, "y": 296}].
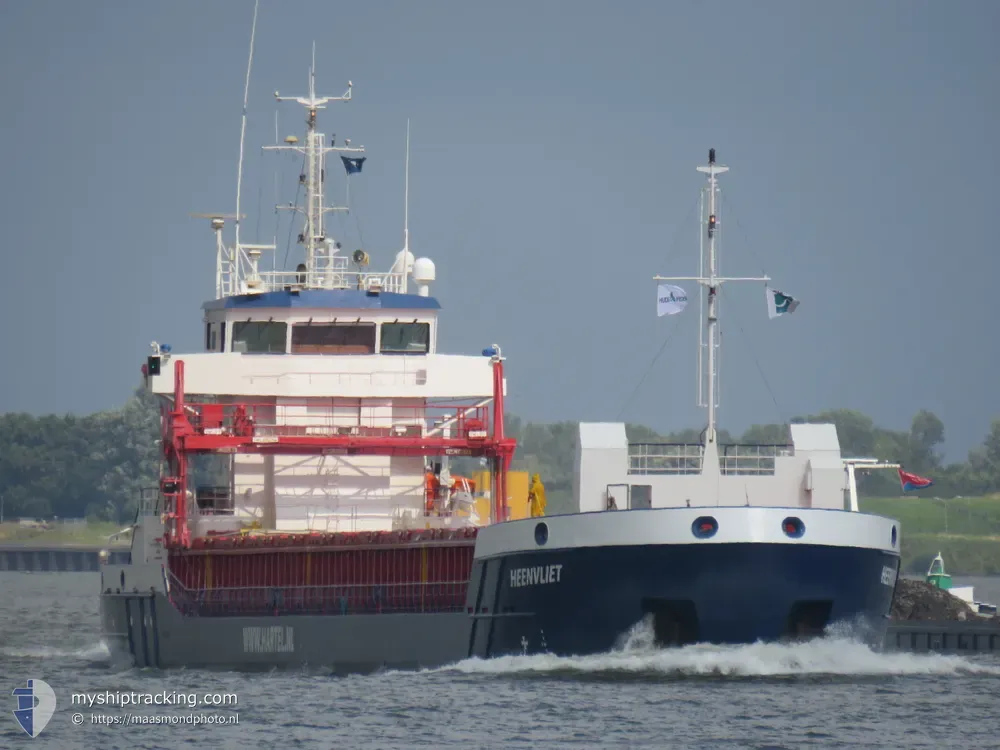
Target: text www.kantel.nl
[{"x": 162, "y": 698}]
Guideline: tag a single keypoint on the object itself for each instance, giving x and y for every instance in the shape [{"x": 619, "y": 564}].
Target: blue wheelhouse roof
[{"x": 343, "y": 299}]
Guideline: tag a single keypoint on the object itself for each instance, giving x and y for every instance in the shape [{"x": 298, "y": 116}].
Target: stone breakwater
[{"x": 916, "y": 601}]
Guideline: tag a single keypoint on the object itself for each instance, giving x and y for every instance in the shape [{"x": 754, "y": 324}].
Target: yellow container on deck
[{"x": 517, "y": 494}]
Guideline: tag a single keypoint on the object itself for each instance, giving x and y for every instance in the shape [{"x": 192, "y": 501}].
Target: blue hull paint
[{"x": 734, "y": 593}]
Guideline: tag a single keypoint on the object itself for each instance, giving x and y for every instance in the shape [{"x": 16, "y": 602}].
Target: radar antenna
[{"x": 319, "y": 253}]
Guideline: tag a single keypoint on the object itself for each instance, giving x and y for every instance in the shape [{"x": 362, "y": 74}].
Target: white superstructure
[
  {"x": 808, "y": 472},
  {"x": 614, "y": 475},
  {"x": 328, "y": 348}
]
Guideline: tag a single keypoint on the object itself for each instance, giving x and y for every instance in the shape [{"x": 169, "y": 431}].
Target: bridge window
[
  {"x": 406, "y": 338},
  {"x": 327, "y": 338},
  {"x": 212, "y": 341},
  {"x": 259, "y": 337}
]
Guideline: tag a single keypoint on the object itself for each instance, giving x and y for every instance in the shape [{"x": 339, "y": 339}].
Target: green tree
[
  {"x": 766, "y": 434},
  {"x": 70, "y": 466},
  {"x": 925, "y": 438},
  {"x": 987, "y": 459},
  {"x": 131, "y": 457}
]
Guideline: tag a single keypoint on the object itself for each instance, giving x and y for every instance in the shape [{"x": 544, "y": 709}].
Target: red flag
[{"x": 912, "y": 481}]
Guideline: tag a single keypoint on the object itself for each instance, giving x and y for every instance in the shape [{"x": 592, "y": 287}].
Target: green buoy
[{"x": 936, "y": 575}]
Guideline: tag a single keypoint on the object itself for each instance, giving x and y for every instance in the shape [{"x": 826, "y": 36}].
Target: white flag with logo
[{"x": 670, "y": 299}]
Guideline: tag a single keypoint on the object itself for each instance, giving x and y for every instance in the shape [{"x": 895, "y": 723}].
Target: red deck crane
[{"x": 237, "y": 427}]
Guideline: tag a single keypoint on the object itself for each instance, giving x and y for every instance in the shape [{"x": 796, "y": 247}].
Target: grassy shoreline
[
  {"x": 965, "y": 530},
  {"x": 60, "y": 534}
]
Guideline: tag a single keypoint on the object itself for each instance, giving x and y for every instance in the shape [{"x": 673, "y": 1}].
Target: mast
[
  {"x": 710, "y": 280},
  {"x": 243, "y": 131},
  {"x": 406, "y": 210},
  {"x": 711, "y": 312},
  {"x": 229, "y": 260},
  {"x": 314, "y": 150}
]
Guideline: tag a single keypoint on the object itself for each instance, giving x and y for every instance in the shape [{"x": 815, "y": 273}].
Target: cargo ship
[
  {"x": 698, "y": 542},
  {"x": 307, "y": 513},
  {"x": 332, "y": 529}
]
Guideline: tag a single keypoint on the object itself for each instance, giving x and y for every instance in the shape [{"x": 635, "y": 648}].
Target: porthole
[
  {"x": 793, "y": 527},
  {"x": 541, "y": 534},
  {"x": 704, "y": 527}
]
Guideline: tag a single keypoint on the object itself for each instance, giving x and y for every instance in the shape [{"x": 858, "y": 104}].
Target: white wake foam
[
  {"x": 92, "y": 652},
  {"x": 635, "y": 655}
]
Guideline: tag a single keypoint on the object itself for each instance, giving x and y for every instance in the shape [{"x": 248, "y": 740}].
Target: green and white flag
[{"x": 778, "y": 303}]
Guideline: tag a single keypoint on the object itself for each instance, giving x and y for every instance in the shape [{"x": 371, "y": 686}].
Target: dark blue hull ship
[
  {"x": 570, "y": 599},
  {"x": 705, "y": 542}
]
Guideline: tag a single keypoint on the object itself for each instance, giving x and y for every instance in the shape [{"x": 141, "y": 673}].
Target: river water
[{"x": 830, "y": 693}]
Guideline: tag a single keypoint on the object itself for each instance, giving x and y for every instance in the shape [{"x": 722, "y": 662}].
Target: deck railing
[
  {"x": 665, "y": 458},
  {"x": 337, "y": 275},
  {"x": 150, "y": 502},
  {"x": 395, "y": 598},
  {"x": 686, "y": 458},
  {"x": 750, "y": 459},
  {"x": 469, "y": 418}
]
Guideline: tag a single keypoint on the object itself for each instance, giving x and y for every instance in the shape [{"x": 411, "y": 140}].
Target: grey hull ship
[{"x": 333, "y": 531}]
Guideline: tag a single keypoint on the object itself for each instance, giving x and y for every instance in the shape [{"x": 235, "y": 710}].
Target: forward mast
[{"x": 709, "y": 280}]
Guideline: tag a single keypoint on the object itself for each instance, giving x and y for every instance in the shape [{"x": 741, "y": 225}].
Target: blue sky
[{"x": 553, "y": 148}]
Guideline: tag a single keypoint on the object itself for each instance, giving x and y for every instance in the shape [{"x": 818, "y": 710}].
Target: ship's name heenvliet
[
  {"x": 275, "y": 639},
  {"x": 535, "y": 575}
]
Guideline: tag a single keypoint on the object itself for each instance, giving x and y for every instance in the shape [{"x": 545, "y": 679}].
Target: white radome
[
  {"x": 423, "y": 270},
  {"x": 404, "y": 262}
]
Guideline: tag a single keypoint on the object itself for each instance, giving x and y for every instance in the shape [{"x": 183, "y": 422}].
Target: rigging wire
[
  {"x": 673, "y": 249},
  {"x": 291, "y": 222},
  {"x": 357, "y": 221},
  {"x": 341, "y": 223},
  {"x": 243, "y": 125},
  {"x": 277, "y": 213},
  {"x": 730, "y": 209},
  {"x": 753, "y": 356},
  {"x": 341, "y": 38},
  {"x": 260, "y": 195},
  {"x": 666, "y": 340}
]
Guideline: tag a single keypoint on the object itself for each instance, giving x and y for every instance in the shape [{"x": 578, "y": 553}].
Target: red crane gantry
[{"x": 254, "y": 428}]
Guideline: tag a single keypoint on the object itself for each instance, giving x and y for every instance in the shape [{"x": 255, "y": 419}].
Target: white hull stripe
[{"x": 736, "y": 525}]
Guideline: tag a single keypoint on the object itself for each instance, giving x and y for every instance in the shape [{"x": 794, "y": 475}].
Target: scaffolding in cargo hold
[{"x": 457, "y": 428}]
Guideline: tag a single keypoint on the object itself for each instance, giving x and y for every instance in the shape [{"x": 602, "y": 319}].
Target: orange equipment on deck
[{"x": 434, "y": 496}]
